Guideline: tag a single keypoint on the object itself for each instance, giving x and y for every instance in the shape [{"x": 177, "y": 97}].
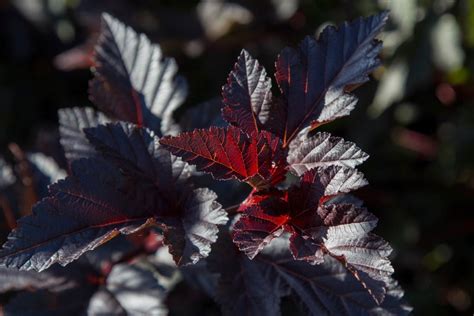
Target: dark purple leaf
[
  {"x": 82, "y": 212},
  {"x": 133, "y": 81},
  {"x": 343, "y": 232},
  {"x": 255, "y": 287},
  {"x": 101, "y": 200},
  {"x": 314, "y": 77},
  {"x": 155, "y": 177},
  {"x": 242, "y": 288},
  {"x": 323, "y": 182},
  {"x": 322, "y": 150},
  {"x": 190, "y": 237},
  {"x": 247, "y": 94},
  {"x": 162, "y": 180},
  {"x": 72, "y": 121}
]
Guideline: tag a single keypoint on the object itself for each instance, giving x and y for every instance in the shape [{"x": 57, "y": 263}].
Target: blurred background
[{"x": 415, "y": 118}]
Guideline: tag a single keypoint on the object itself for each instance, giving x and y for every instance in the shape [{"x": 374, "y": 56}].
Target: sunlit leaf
[{"x": 132, "y": 80}]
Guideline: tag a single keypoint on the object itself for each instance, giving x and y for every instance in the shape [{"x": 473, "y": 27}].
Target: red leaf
[
  {"x": 229, "y": 153},
  {"x": 259, "y": 224}
]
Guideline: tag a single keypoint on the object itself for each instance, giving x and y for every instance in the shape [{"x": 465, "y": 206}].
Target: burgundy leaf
[
  {"x": 155, "y": 176},
  {"x": 264, "y": 217},
  {"x": 256, "y": 287},
  {"x": 322, "y": 150},
  {"x": 229, "y": 153},
  {"x": 259, "y": 224},
  {"x": 323, "y": 182},
  {"x": 316, "y": 75},
  {"x": 159, "y": 180},
  {"x": 243, "y": 288},
  {"x": 132, "y": 80},
  {"x": 247, "y": 94},
  {"x": 141, "y": 185},
  {"x": 81, "y": 213},
  {"x": 72, "y": 121},
  {"x": 343, "y": 232}
]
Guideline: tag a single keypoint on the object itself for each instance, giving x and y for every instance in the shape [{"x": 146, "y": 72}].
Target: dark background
[{"x": 415, "y": 118}]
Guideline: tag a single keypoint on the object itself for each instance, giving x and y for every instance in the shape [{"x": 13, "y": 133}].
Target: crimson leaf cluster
[{"x": 131, "y": 170}]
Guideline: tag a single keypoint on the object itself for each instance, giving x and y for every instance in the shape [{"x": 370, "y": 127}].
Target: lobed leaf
[
  {"x": 320, "y": 183},
  {"x": 82, "y": 212},
  {"x": 190, "y": 238},
  {"x": 259, "y": 224},
  {"x": 141, "y": 185},
  {"x": 321, "y": 150},
  {"x": 314, "y": 77},
  {"x": 132, "y": 80},
  {"x": 247, "y": 94},
  {"x": 256, "y": 287},
  {"x": 229, "y": 153},
  {"x": 265, "y": 216},
  {"x": 342, "y": 231},
  {"x": 317, "y": 230}
]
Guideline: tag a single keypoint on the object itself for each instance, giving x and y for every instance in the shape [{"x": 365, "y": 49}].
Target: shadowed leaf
[{"x": 255, "y": 287}]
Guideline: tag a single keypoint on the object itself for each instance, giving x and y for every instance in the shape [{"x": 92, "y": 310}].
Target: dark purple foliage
[{"x": 305, "y": 238}]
